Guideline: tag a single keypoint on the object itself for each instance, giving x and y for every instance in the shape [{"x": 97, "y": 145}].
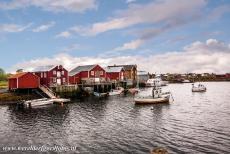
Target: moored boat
[
  {"x": 151, "y": 100},
  {"x": 199, "y": 88},
  {"x": 100, "y": 94},
  {"x": 156, "y": 82},
  {"x": 38, "y": 102},
  {"x": 157, "y": 97},
  {"x": 117, "y": 91}
]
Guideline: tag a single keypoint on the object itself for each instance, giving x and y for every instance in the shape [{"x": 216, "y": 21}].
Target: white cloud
[
  {"x": 64, "y": 34},
  {"x": 130, "y": 1},
  {"x": 130, "y": 45},
  {"x": 51, "y": 5},
  {"x": 210, "y": 56},
  {"x": 156, "y": 12},
  {"x": 44, "y": 27},
  {"x": 13, "y": 28}
]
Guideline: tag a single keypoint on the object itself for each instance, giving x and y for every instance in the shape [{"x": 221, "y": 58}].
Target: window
[
  {"x": 45, "y": 75},
  {"x": 101, "y": 72},
  {"x": 63, "y": 72},
  {"x": 41, "y": 75},
  {"x": 54, "y": 72},
  {"x": 59, "y": 74},
  {"x": 63, "y": 80},
  {"x": 54, "y": 80},
  {"x": 92, "y": 72}
]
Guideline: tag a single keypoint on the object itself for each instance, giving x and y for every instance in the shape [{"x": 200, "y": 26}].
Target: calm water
[{"x": 193, "y": 123}]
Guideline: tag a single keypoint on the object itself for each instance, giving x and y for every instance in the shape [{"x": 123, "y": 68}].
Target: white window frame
[
  {"x": 63, "y": 72},
  {"x": 54, "y": 72},
  {"x": 92, "y": 73},
  {"x": 41, "y": 74},
  {"x": 45, "y": 75},
  {"x": 101, "y": 73}
]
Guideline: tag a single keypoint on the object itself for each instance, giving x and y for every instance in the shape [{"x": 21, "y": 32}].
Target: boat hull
[
  {"x": 198, "y": 89},
  {"x": 151, "y": 100},
  {"x": 38, "y": 102}
]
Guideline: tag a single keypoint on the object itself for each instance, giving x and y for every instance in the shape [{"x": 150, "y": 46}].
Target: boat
[
  {"x": 199, "y": 88},
  {"x": 117, "y": 91},
  {"x": 186, "y": 81},
  {"x": 38, "y": 102},
  {"x": 134, "y": 90},
  {"x": 157, "y": 97},
  {"x": 157, "y": 81},
  {"x": 100, "y": 94}
]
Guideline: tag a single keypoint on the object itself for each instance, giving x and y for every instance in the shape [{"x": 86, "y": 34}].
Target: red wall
[
  {"x": 76, "y": 79},
  {"x": 48, "y": 81},
  {"x": 12, "y": 83},
  {"x": 115, "y": 75},
  {"x": 97, "y": 68},
  {"x": 24, "y": 82},
  {"x": 28, "y": 81}
]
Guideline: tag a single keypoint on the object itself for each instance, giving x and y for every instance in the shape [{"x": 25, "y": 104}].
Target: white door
[{"x": 59, "y": 81}]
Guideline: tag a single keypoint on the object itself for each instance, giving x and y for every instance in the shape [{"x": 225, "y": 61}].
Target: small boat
[
  {"x": 117, "y": 91},
  {"x": 186, "y": 81},
  {"x": 199, "y": 88},
  {"x": 134, "y": 90},
  {"x": 100, "y": 94},
  {"x": 156, "y": 82},
  {"x": 157, "y": 97},
  {"x": 38, "y": 102}
]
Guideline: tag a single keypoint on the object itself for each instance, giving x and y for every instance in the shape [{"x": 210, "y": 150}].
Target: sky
[{"x": 160, "y": 36}]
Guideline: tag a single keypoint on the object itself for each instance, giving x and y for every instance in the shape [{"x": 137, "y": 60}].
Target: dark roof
[
  {"x": 80, "y": 69},
  {"x": 43, "y": 68},
  {"x": 126, "y": 67}
]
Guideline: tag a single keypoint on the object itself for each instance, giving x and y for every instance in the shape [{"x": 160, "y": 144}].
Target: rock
[{"x": 159, "y": 150}]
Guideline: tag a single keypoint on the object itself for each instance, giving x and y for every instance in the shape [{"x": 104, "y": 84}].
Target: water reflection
[{"x": 193, "y": 123}]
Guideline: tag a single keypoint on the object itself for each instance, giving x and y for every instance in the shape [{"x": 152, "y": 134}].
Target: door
[{"x": 58, "y": 81}]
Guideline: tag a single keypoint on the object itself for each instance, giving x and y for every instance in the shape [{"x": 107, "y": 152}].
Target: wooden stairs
[{"x": 48, "y": 91}]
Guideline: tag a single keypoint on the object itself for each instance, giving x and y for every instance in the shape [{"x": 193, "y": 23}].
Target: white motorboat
[
  {"x": 157, "y": 97},
  {"x": 186, "y": 81},
  {"x": 38, "y": 102},
  {"x": 117, "y": 91},
  {"x": 156, "y": 82},
  {"x": 199, "y": 88},
  {"x": 100, "y": 94}
]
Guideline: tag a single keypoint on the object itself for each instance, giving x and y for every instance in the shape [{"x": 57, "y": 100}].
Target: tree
[{"x": 3, "y": 76}]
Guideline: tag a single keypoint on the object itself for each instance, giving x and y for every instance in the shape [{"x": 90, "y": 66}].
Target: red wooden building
[
  {"x": 87, "y": 74},
  {"x": 25, "y": 80},
  {"x": 52, "y": 75},
  {"x": 115, "y": 73}
]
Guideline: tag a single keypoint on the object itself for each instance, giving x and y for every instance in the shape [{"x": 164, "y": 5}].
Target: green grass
[{"x": 3, "y": 84}]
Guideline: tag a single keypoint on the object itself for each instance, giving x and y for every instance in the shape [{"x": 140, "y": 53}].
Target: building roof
[
  {"x": 43, "y": 68},
  {"x": 80, "y": 69},
  {"x": 113, "y": 69},
  {"x": 18, "y": 75},
  {"x": 126, "y": 67}
]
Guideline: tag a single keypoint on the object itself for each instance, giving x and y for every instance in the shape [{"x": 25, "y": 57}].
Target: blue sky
[{"x": 40, "y": 32}]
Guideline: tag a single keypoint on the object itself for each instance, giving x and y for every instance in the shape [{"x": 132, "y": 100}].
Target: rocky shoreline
[{"x": 12, "y": 98}]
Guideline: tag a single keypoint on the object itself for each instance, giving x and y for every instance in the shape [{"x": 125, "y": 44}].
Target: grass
[{"x": 3, "y": 84}]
